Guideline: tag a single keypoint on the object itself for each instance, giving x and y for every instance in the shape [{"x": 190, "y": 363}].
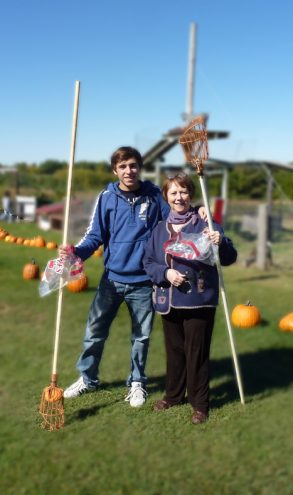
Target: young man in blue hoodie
[{"x": 125, "y": 214}]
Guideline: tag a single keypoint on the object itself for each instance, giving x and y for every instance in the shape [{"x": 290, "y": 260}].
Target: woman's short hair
[
  {"x": 125, "y": 153},
  {"x": 183, "y": 180}
]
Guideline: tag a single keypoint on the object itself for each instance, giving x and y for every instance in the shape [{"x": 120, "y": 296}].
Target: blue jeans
[{"x": 104, "y": 308}]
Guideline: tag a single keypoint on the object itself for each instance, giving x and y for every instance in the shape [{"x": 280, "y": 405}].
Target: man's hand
[{"x": 65, "y": 251}]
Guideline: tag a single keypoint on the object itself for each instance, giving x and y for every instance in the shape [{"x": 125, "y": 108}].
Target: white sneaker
[
  {"x": 78, "y": 388},
  {"x": 137, "y": 395}
]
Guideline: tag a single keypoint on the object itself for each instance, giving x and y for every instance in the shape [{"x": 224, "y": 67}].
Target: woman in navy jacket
[{"x": 186, "y": 294}]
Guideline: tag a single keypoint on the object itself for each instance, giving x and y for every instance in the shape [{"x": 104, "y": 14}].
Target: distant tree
[
  {"x": 284, "y": 179},
  {"x": 21, "y": 166},
  {"x": 91, "y": 165},
  {"x": 44, "y": 199},
  {"x": 247, "y": 182},
  {"x": 214, "y": 186},
  {"x": 51, "y": 166},
  {"x": 86, "y": 179}
]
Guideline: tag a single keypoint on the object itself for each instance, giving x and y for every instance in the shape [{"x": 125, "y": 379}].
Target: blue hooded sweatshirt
[{"x": 123, "y": 228}]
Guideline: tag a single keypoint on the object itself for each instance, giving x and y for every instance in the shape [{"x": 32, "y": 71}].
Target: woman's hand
[
  {"x": 202, "y": 213},
  {"x": 214, "y": 236},
  {"x": 175, "y": 278}
]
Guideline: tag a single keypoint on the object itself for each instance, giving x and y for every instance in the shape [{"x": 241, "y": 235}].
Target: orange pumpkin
[
  {"x": 30, "y": 271},
  {"x": 52, "y": 245},
  {"x": 78, "y": 284},
  {"x": 12, "y": 238},
  {"x": 20, "y": 240},
  {"x": 26, "y": 242},
  {"x": 3, "y": 234},
  {"x": 99, "y": 252},
  {"x": 286, "y": 323},
  {"x": 245, "y": 315},
  {"x": 40, "y": 242},
  {"x": 32, "y": 242},
  {"x": 7, "y": 238},
  {"x": 52, "y": 394}
]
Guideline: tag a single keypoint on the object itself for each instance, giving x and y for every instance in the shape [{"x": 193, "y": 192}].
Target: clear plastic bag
[
  {"x": 59, "y": 272},
  {"x": 192, "y": 247}
]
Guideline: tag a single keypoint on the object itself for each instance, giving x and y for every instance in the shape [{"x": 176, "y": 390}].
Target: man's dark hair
[{"x": 125, "y": 153}]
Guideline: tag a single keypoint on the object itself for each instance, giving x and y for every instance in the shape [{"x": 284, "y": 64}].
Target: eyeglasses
[{"x": 180, "y": 175}]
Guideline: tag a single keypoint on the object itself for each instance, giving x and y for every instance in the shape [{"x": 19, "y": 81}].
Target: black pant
[{"x": 188, "y": 334}]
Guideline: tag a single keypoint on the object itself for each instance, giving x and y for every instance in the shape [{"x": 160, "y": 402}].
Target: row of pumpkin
[
  {"x": 243, "y": 315},
  {"x": 37, "y": 241}
]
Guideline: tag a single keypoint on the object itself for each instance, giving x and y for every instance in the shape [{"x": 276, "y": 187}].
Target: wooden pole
[
  {"x": 223, "y": 293},
  {"x": 65, "y": 227}
]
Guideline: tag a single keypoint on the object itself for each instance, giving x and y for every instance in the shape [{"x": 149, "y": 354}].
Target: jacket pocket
[{"x": 161, "y": 298}]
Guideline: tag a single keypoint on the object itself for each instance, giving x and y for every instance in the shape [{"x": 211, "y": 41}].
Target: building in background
[{"x": 25, "y": 207}]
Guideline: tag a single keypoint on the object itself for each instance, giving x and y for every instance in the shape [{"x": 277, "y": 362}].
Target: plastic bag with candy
[
  {"x": 59, "y": 272},
  {"x": 192, "y": 247}
]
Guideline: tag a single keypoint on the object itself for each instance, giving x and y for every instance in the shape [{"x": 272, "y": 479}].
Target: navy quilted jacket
[{"x": 203, "y": 288}]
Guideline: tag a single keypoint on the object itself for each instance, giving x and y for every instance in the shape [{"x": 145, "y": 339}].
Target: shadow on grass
[
  {"x": 262, "y": 372},
  {"x": 258, "y": 277},
  {"x": 263, "y": 323},
  {"x": 86, "y": 412}
]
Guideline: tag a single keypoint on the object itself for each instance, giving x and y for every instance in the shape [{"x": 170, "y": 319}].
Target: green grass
[{"x": 108, "y": 448}]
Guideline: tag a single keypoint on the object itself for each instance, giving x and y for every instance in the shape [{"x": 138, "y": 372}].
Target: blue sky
[{"x": 131, "y": 58}]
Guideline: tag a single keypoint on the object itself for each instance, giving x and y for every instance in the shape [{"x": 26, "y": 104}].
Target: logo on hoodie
[{"x": 143, "y": 211}]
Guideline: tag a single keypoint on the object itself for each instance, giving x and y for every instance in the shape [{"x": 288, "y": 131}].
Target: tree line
[{"x": 48, "y": 179}]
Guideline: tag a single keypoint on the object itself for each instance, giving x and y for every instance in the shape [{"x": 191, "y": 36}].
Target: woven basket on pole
[
  {"x": 52, "y": 407},
  {"x": 195, "y": 144}
]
